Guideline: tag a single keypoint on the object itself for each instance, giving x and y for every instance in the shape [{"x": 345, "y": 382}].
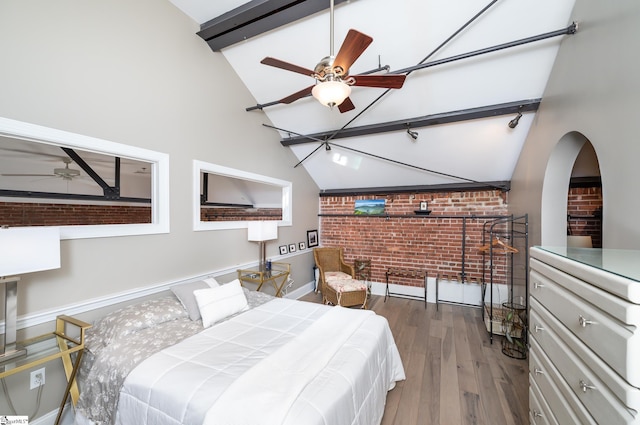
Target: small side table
[
  {"x": 277, "y": 276},
  {"x": 362, "y": 269},
  {"x": 56, "y": 345}
]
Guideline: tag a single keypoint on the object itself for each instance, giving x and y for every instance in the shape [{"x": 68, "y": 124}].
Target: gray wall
[
  {"x": 592, "y": 95},
  {"x": 135, "y": 72}
]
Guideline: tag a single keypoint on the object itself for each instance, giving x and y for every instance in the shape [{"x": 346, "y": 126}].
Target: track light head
[
  {"x": 514, "y": 122},
  {"x": 413, "y": 134}
]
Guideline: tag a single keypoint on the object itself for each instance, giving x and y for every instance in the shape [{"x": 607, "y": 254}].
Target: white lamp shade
[
  {"x": 331, "y": 93},
  {"x": 262, "y": 230},
  {"x": 29, "y": 249}
]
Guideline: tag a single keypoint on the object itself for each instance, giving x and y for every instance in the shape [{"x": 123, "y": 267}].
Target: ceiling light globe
[{"x": 331, "y": 93}]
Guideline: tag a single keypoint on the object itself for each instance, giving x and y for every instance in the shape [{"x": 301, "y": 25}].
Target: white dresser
[{"x": 584, "y": 359}]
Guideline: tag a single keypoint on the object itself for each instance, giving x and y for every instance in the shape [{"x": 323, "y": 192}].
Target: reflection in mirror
[
  {"x": 227, "y": 198},
  {"x": 88, "y": 187}
]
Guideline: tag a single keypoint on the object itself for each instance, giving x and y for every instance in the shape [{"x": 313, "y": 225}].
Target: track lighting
[
  {"x": 327, "y": 147},
  {"x": 413, "y": 134},
  {"x": 514, "y": 122}
]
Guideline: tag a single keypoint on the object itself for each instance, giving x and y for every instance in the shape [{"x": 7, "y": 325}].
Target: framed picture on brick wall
[{"x": 312, "y": 238}]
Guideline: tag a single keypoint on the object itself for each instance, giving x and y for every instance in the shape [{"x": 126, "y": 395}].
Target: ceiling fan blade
[
  {"x": 286, "y": 66},
  {"x": 297, "y": 95},
  {"x": 346, "y": 106},
  {"x": 389, "y": 81},
  {"x": 352, "y": 47}
]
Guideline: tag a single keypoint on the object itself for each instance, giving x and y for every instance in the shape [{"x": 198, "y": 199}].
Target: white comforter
[{"x": 347, "y": 384}]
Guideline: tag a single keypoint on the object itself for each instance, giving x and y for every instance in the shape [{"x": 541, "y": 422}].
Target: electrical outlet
[{"x": 36, "y": 379}]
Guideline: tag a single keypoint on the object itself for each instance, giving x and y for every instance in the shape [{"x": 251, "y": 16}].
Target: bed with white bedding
[{"x": 280, "y": 362}]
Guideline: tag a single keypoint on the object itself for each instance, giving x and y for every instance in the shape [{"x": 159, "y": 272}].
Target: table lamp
[
  {"x": 262, "y": 231},
  {"x": 22, "y": 250}
]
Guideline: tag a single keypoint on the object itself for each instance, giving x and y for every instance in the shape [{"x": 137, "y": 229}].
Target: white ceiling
[{"x": 404, "y": 33}]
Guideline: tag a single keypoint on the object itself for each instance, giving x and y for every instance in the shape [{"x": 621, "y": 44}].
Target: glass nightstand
[
  {"x": 277, "y": 276},
  {"x": 65, "y": 343}
]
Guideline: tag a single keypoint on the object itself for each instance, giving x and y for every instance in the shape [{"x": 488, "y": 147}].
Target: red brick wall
[
  {"x": 51, "y": 214},
  {"x": 584, "y": 208},
  {"x": 235, "y": 214},
  {"x": 406, "y": 240}
]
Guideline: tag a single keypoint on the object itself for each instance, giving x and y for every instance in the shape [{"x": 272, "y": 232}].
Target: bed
[{"x": 273, "y": 361}]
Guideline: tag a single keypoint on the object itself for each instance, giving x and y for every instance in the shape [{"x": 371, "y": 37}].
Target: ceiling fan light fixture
[
  {"x": 331, "y": 93},
  {"x": 66, "y": 172}
]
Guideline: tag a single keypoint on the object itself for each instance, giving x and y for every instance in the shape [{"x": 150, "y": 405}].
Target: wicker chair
[{"x": 337, "y": 282}]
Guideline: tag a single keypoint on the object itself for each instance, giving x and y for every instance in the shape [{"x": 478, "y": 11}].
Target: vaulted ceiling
[{"x": 482, "y": 62}]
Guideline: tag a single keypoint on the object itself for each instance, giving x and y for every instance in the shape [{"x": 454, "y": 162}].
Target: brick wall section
[
  {"x": 585, "y": 208},
  {"x": 239, "y": 214},
  {"x": 51, "y": 214},
  {"x": 412, "y": 241}
]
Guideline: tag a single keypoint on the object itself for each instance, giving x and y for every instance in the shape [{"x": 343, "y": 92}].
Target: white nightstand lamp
[
  {"x": 261, "y": 231},
  {"x": 22, "y": 250}
]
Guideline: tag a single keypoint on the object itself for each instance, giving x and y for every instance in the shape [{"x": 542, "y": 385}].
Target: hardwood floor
[{"x": 454, "y": 374}]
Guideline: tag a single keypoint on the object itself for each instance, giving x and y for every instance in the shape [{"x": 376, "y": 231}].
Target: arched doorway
[
  {"x": 573, "y": 163},
  {"x": 584, "y": 201}
]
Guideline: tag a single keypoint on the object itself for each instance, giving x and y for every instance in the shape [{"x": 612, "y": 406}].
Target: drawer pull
[
  {"x": 537, "y": 414},
  {"x": 584, "y": 322},
  {"x": 538, "y": 285},
  {"x": 538, "y": 371},
  {"x": 538, "y": 328},
  {"x": 584, "y": 386}
]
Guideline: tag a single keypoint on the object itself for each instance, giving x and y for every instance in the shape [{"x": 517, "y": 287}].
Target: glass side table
[
  {"x": 277, "y": 276},
  {"x": 362, "y": 270},
  {"x": 65, "y": 343}
]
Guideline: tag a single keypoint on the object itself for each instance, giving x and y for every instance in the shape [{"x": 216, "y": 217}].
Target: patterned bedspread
[{"x": 123, "y": 339}]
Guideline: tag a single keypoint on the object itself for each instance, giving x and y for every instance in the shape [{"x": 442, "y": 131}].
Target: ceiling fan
[
  {"x": 65, "y": 173},
  {"x": 333, "y": 82}
]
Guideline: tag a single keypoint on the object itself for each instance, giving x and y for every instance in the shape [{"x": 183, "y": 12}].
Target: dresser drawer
[
  {"x": 612, "y": 270},
  {"x": 539, "y": 410},
  {"x": 565, "y": 405},
  {"x": 625, "y": 311},
  {"x": 597, "y": 387},
  {"x": 617, "y": 343}
]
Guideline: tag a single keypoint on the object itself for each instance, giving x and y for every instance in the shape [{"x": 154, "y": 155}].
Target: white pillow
[
  {"x": 184, "y": 292},
  {"x": 217, "y": 303}
]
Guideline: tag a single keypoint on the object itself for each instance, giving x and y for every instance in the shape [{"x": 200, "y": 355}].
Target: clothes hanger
[{"x": 497, "y": 245}]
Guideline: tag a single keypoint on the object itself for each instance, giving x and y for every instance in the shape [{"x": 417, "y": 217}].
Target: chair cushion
[
  {"x": 346, "y": 285},
  {"x": 336, "y": 276}
]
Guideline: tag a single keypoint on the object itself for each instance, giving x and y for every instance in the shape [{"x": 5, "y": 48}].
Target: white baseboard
[{"x": 68, "y": 417}]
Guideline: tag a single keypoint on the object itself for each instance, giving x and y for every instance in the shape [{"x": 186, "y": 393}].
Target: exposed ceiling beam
[
  {"x": 424, "y": 121},
  {"x": 256, "y": 17},
  {"x": 503, "y": 185}
]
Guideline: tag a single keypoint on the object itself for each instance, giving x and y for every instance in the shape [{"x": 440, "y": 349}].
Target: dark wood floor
[{"x": 454, "y": 374}]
